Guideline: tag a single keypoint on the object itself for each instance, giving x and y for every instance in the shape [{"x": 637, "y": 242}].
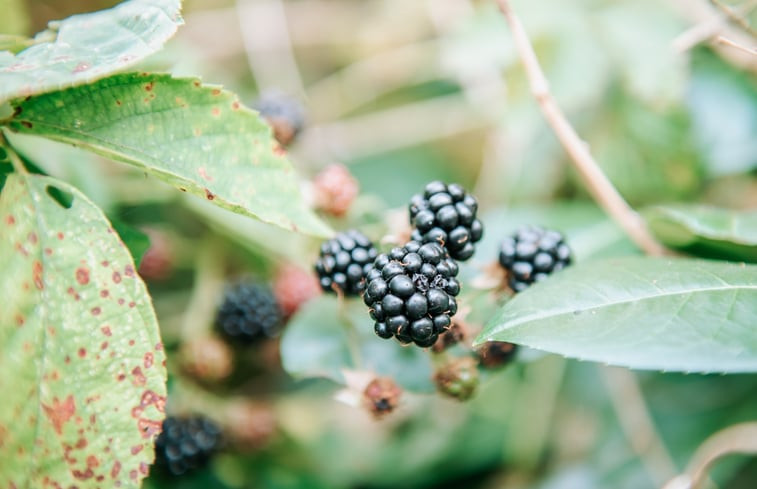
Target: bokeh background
[{"x": 404, "y": 92}]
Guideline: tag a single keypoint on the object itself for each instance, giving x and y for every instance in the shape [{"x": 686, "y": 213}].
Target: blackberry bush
[
  {"x": 249, "y": 312},
  {"x": 411, "y": 293},
  {"x": 186, "y": 443},
  {"x": 531, "y": 254},
  {"x": 344, "y": 262},
  {"x": 446, "y": 214}
]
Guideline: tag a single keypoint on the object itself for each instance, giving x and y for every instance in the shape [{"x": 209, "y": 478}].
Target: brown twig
[
  {"x": 735, "y": 16},
  {"x": 597, "y": 182}
]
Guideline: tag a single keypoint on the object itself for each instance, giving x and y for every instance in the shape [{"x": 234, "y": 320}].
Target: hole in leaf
[{"x": 65, "y": 199}]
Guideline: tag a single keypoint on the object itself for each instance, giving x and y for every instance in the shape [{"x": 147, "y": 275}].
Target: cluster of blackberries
[
  {"x": 411, "y": 293},
  {"x": 344, "y": 262},
  {"x": 446, "y": 214},
  {"x": 186, "y": 443},
  {"x": 531, "y": 254},
  {"x": 249, "y": 312}
]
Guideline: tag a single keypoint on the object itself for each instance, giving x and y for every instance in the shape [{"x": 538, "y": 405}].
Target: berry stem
[
  {"x": 597, "y": 182},
  {"x": 18, "y": 165},
  {"x": 208, "y": 287}
]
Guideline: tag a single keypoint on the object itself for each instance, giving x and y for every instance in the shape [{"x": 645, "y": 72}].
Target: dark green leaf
[
  {"x": 709, "y": 232},
  {"x": 646, "y": 313},
  {"x": 198, "y": 138},
  {"x": 83, "y": 378}
]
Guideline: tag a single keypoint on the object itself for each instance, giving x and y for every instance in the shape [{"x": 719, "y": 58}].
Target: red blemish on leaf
[
  {"x": 10, "y": 220},
  {"x": 120, "y": 377},
  {"x": 105, "y": 263},
  {"x": 82, "y": 66},
  {"x": 149, "y": 428},
  {"x": 139, "y": 378},
  {"x": 116, "y": 469},
  {"x": 158, "y": 346},
  {"x": 144, "y": 468},
  {"x": 67, "y": 360},
  {"x": 20, "y": 248},
  {"x": 82, "y": 352},
  {"x": 27, "y": 124},
  {"x": 60, "y": 235},
  {"x": 60, "y": 412},
  {"x": 104, "y": 293},
  {"x": 196, "y": 83},
  {"x": 204, "y": 174},
  {"x": 235, "y": 105},
  {"x": 82, "y": 275},
  {"x": 136, "y": 449},
  {"x": 131, "y": 342},
  {"x": 37, "y": 275},
  {"x": 48, "y": 251},
  {"x": 129, "y": 271},
  {"x": 279, "y": 150},
  {"x": 96, "y": 311},
  {"x": 82, "y": 476},
  {"x": 104, "y": 345},
  {"x": 81, "y": 443},
  {"x": 132, "y": 304},
  {"x": 215, "y": 111},
  {"x": 118, "y": 102},
  {"x": 121, "y": 302},
  {"x": 73, "y": 293},
  {"x": 149, "y": 86},
  {"x": 20, "y": 320},
  {"x": 106, "y": 330},
  {"x": 92, "y": 461},
  {"x": 209, "y": 195},
  {"x": 216, "y": 92},
  {"x": 148, "y": 359},
  {"x": 32, "y": 237},
  {"x": 116, "y": 277},
  {"x": 133, "y": 474}
]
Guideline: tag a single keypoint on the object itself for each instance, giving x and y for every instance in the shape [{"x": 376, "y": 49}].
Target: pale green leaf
[
  {"x": 705, "y": 231},
  {"x": 322, "y": 340},
  {"x": 198, "y": 138},
  {"x": 647, "y": 313},
  {"x": 83, "y": 379},
  {"x": 86, "y": 47}
]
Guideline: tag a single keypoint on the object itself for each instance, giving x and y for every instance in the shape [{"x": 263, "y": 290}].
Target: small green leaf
[
  {"x": 704, "y": 231},
  {"x": 135, "y": 240},
  {"x": 647, "y": 313},
  {"x": 321, "y": 341},
  {"x": 86, "y": 47},
  {"x": 83, "y": 378},
  {"x": 198, "y": 138}
]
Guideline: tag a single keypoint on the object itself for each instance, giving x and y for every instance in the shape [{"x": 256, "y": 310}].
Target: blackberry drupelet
[
  {"x": 344, "y": 262},
  {"x": 283, "y": 113},
  {"x": 249, "y": 312},
  {"x": 446, "y": 214},
  {"x": 531, "y": 254},
  {"x": 411, "y": 293},
  {"x": 186, "y": 443}
]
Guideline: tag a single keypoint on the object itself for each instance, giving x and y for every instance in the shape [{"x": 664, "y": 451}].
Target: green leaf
[
  {"x": 647, "y": 313},
  {"x": 322, "y": 341},
  {"x": 199, "y": 138},
  {"x": 135, "y": 240},
  {"x": 83, "y": 377},
  {"x": 86, "y": 47},
  {"x": 705, "y": 231}
]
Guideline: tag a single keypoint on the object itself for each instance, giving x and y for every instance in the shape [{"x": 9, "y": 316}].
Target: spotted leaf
[{"x": 83, "y": 379}]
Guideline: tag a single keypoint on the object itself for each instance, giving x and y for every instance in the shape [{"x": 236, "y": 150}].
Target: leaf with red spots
[
  {"x": 196, "y": 137},
  {"x": 86, "y": 47},
  {"x": 83, "y": 379}
]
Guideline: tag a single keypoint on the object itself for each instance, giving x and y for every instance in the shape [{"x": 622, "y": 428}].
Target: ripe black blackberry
[
  {"x": 249, "y": 312},
  {"x": 186, "y": 443},
  {"x": 446, "y": 214},
  {"x": 531, "y": 254},
  {"x": 344, "y": 262},
  {"x": 283, "y": 113},
  {"x": 411, "y": 293}
]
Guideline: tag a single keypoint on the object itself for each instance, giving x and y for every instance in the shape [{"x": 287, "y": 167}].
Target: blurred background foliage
[{"x": 404, "y": 92}]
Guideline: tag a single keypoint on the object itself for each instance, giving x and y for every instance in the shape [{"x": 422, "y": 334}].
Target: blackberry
[
  {"x": 411, "y": 293},
  {"x": 344, "y": 262},
  {"x": 446, "y": 214},
  {"x": 186, "y": 443},
  {"x": 531, "y": 254},
  {"x": 283, "y": 113},
  {"x": 249, "y": 312}
]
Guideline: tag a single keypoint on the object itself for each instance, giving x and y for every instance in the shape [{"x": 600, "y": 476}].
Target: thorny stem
[
  {"x": 18, "y": 165},
  {"x": 597, "y": 182}
]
